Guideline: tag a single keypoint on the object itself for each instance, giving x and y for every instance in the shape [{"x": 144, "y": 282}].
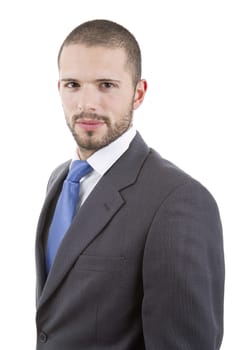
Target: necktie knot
[{"x": 79, "y": 168}]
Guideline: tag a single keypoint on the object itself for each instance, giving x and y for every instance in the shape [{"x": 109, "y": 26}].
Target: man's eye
[
  {"x": 72, "y": 84},
  {"x": 107, "y": 85}
]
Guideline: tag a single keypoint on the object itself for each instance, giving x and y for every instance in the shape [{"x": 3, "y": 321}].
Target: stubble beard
[{"x": 89, "y": 141}]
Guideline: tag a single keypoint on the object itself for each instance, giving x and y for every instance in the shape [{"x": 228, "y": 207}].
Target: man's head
[
  {"x": 100, "y": 83},
  {"x": 110, "y": 35}
]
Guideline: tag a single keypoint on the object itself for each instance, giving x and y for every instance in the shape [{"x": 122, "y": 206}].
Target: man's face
[{"x": 97, "y": 93}]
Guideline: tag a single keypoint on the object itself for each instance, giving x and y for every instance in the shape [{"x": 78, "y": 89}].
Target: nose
[{"x": 87, "y": 99}]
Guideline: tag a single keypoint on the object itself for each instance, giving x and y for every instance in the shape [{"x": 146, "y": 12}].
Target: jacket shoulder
[
  {"x": 167, "y": 177},
  {"x": 163, "y": 172},
  {"x": 57, "y": 173}
]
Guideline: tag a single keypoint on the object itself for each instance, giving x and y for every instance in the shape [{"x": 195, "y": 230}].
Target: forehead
[{"x": 78, "y": 57}]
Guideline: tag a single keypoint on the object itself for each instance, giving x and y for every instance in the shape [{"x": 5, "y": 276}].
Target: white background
[{"x": 186, "y": 116}]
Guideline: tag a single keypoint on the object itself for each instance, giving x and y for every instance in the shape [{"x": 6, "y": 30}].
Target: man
[{"x": 139, "y": 263}]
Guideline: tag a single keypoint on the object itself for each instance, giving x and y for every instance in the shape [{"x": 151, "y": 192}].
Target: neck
[{"x": 84, "y": 153}]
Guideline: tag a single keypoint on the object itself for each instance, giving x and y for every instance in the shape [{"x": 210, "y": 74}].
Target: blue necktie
[{"x": 65, "y": 209}]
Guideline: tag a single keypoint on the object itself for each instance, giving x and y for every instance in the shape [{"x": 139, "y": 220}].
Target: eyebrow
[{"x": 68, "y": 79}]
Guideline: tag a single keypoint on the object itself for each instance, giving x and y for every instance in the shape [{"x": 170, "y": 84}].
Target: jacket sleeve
[{"x": 183, "y": 273}]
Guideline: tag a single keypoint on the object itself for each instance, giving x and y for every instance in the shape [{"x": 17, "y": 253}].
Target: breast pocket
[{"x": 99, "y": 263}]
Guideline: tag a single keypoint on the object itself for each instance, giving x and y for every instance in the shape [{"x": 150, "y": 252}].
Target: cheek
[
  {"x": 68, "y": 103},
  {"x": 116, "y": 104}
]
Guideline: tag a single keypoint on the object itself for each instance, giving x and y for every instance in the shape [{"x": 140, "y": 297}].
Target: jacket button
[{"x": 43, "y": 337}]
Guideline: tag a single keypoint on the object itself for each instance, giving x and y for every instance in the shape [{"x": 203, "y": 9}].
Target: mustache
[{"x": 90, "y": 116}]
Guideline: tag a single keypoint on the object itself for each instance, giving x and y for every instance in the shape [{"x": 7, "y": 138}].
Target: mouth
[{"x": 90, "y": 124}]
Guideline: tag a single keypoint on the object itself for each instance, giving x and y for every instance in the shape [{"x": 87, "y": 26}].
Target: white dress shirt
[{"x": 102, "y": 160}]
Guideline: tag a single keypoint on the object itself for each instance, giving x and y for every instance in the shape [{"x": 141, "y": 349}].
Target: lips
[{"x": 90, "y": 124}]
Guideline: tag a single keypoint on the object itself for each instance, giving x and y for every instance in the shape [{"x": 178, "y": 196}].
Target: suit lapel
[{"x": 100, "y": 206}]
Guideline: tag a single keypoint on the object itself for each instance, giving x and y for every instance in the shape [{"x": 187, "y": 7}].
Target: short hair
[{"x": 108, "y": 34}]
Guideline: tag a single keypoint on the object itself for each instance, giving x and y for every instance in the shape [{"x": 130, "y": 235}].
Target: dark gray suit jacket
[{"x": 141, "y": 266}]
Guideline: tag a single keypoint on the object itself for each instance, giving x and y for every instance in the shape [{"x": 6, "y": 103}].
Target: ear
[
  {"x": 140, "y": 92},
  {"x": 59, "y": 85}
]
